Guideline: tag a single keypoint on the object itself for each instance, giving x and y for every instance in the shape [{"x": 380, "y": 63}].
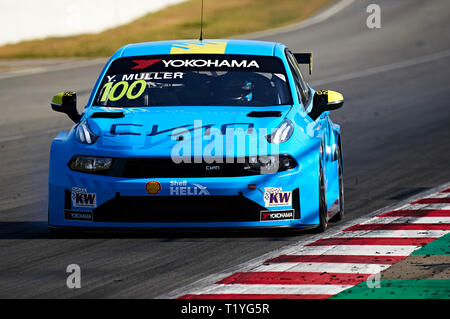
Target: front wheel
[
  {"x": 339, "y": 216},
  {"x": 323, "y": 216}
]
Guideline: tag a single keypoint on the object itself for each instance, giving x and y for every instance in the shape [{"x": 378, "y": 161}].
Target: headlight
[
  {"x": 282, "y": 133},
  {"x": 84, "y": 134},
  {"x": 269, "y": 164},
  {"x": 90, "y": 164}
]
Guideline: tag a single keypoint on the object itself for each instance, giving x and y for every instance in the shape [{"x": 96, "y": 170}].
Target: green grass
[
  {"x": 400, "y": 289},
  {"x": 440, "y": 246},
  {"x": 222, "y": 19}
]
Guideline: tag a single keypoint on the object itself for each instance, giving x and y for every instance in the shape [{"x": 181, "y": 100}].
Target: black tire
[
  {"x": 339, "y": 216},
  {"x": 323, "y": 216}
]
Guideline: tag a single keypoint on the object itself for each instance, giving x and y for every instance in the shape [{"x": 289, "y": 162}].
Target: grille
[
  {"x": 139, "y": 168},
  {"x": 167, "y": 168},
  {"x": 178, "y": 209}
]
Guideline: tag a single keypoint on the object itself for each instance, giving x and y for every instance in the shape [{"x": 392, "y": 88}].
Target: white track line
[
  {"x": 395, "y": 233},
  {"x": 383, "y": 68},
  {"x": 369, "y": 250},
  {"x": 412, "y": 220},
  {"x": 321, "y": 17},
  {"x": 272, "y": 289},
  {"x": 428, "y": 206},
  {"x": 324, "y": 267},
  {"x": 439, "y": 195},
  {"x": 52, "y": 68}
]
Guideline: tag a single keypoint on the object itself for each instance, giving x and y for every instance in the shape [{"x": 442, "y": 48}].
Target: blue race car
[{"x": 199, "y": 134}]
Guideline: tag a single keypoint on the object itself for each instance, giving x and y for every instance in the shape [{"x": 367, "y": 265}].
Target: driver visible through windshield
[{"x": 194, "y": 80}]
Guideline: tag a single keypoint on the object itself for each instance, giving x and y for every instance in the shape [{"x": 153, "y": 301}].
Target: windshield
[{"x": 194, "y": 80}]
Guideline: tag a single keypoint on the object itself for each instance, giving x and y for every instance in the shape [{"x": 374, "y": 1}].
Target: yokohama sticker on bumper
[{"x": 268, "y": 215}]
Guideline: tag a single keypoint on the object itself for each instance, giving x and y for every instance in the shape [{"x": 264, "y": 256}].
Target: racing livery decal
[
  {"x": 183, "y": 47},
  {"x": 195, "y": 62},
  {"x": 200, "y": 63},
  {"x": 77, "y": 215},
  {"x": 153, "y": 187},
  {"x": 81, "y": 198},
  {"x": 142, "y": 64},
  {"x": 183, "y": 189},
  {"x": 267, "y": 215},
  {"x": 275, "y": 197}
]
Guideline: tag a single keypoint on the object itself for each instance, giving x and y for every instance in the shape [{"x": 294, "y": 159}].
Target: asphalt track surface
[{"x": 396, "y": 138}]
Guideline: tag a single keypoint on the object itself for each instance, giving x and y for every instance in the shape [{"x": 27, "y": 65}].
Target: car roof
[{"x": 207, "y": 46}]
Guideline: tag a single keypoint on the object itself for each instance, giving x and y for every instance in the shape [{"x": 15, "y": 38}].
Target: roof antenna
[{"x": 201, "y": 24}]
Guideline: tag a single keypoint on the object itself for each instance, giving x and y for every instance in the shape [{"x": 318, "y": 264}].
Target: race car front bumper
[
  {"x": 85, "y": 200},
  {"x": 101, "y": 201}
]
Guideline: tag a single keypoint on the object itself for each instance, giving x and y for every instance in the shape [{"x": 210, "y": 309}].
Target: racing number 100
[{"x": 109, "y": 90}]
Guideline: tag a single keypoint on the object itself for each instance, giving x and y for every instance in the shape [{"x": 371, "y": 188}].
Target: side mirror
[
  {"x": 66, "y": 102},
  {"x": 325, "y": 101}
]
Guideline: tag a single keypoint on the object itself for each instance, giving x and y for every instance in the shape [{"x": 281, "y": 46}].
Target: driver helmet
[{"x": 239, "y": 90}]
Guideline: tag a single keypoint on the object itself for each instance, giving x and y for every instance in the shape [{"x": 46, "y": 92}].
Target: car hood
[{"x": 154, "y": 131}]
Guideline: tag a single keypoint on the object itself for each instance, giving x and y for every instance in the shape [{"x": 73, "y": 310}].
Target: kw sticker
[
  {"x": 275, "y": 197},
  {"x": 81, "y": 198}
]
